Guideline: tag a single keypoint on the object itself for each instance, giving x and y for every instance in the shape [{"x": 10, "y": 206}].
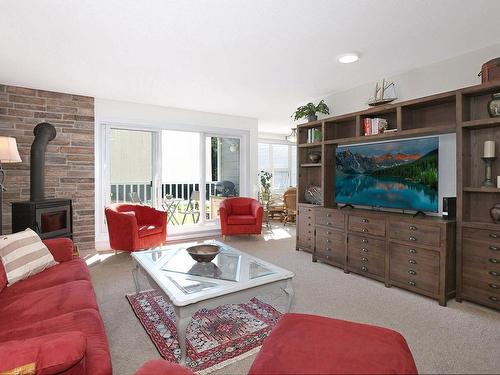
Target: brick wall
[{"x": 69, "y": 158}]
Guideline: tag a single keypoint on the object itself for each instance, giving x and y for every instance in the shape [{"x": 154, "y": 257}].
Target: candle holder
[{"x": 488, "y": 182}]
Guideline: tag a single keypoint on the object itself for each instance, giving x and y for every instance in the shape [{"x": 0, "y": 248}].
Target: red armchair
[
  {"x": 134, "y": 227},
  {"x": 240, "y": 216}
]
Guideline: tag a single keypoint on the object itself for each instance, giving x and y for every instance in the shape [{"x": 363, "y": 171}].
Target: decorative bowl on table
[{"x": 203, "y": 253}]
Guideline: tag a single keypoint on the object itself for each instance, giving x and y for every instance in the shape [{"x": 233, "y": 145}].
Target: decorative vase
[
  {"x": 312, "y": 118},
  {"x": 495, "y": 213},
  {"x": 315, "y": 156},
  {"x": 494, "y": 105}
]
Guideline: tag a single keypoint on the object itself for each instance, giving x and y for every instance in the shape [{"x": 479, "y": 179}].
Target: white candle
[{"x": 489, "y": 149}]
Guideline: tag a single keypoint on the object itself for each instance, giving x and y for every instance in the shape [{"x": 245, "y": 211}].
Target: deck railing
[{"x": 180, "y": 190}]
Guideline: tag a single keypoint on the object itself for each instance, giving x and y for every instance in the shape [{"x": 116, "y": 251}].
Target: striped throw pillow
[{"x": 24, "y": 254}]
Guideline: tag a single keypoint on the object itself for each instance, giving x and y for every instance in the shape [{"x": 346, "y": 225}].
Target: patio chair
[
  {"x": 134, "y": 197},
  {"x": 290, "y": 200},
  {"x": 191, "y": 208}
]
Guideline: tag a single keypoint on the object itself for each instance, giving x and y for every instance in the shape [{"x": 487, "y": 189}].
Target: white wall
[
  {"x": 447, "y": 75},
  {"x": 157, "y": 117}
]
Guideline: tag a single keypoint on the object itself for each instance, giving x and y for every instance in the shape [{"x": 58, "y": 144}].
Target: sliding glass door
[{"x": 184, "y": 173}]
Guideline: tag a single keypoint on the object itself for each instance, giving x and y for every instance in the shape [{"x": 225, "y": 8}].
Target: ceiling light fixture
[
  {"x": 348, "y": 58},
  {"x": 293, "y": 136}
]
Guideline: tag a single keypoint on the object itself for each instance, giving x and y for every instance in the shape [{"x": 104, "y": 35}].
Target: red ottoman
[
  {"x": 309, "y": 344},
  {"x": 162, "y": 367}
]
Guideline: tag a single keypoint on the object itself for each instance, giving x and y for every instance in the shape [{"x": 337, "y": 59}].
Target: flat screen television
[{"x": 400, "y": 174}]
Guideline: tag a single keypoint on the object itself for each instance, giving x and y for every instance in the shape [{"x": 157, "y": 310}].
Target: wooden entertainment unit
[{"x": 428, "y": 255}]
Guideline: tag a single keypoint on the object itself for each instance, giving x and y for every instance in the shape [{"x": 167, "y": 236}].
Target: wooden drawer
[
  {"x": 481, "y": 296},
  {"x": 366, "y": 264},
  {"x": 415, "y": 268},
  {"x": 414, "y": 280},
  {"x": 418, "y": 233},
  {"x": 486, "y": 249},
  {"x": 305, "y": 237},
  {"x": 329, "y": 217},
  {"x": 366, "y": 246},
  {"x": 488, "y": 285},
  {"x": 334, "y": 251},
  {"x": 490, "y": 236},
  {"x": 368, "y": 225},
  {"x": 416, "y": 258}
]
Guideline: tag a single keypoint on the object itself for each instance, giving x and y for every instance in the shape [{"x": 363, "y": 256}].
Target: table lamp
[{"x": 8, "y": 154}]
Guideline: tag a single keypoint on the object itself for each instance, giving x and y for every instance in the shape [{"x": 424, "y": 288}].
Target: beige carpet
[{"x": 460, "y": 338}]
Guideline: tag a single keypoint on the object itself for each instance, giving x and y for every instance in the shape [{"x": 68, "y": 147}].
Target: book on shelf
[
  {"x": 373, "y": 126},
  {"x": 314, "y": 135}
]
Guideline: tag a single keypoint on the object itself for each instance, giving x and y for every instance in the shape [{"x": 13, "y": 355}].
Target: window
[{"x": 281, "y": 160}]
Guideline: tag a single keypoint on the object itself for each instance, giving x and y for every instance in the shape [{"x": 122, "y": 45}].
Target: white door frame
[{"x": 102, "y": 187}]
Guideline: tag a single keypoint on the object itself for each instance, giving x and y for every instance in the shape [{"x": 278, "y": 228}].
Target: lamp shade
[{"x": 8, "y": 150}]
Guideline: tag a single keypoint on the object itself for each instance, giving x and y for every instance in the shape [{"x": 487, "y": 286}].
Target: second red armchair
[{"x": 240, "y": 216}]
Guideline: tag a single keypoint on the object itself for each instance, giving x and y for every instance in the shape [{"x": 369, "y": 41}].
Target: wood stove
[{"x": 48, "y": 217}]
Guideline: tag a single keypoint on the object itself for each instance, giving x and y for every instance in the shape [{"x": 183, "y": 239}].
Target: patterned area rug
[{"x": 215, "y": 338}]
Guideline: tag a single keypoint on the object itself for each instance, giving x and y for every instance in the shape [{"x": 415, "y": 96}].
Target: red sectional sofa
[{"x": 51, "y": 320}]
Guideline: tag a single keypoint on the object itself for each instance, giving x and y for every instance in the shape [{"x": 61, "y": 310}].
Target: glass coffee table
[{"x": 233, "y": 277}]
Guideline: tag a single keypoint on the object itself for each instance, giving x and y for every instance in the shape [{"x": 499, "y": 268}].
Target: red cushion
[
  {"x": 17, "y": 310},
  {"x": 148, "y": 230},
  {"x": 308, "y": 344},
  {"x": 240, "y": 208},
  {"x": 52, "y": 354},
  {"x": 61, "y": 248},
  {"x": 241, "y": 220},
  {"x": 97, "y": 358},
  {"x": 75, "y": 269},
  {"x": 162, "y": 367}
]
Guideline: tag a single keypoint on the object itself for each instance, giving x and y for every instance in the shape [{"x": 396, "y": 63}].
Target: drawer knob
[
  {"x": 364, "y": 240},
  {"x": 328, "y": 241},
  {"x": 494, "y": 286},
  {"x": 493, "y": 260},
  {"x": 309, "y": 217},
  {"x": 363, "y": 259},
  {"x": 364, "y": 268},
  {"x": 411, "y": 272},
  {"x": 412, "y": 227},
  {"x": 309, "y": 224},
  {"x": 328, "y": 249},
  {"x": 493, "y": 298},
  {"x": 364, "y": 249},
  {"x": 328, "y": 215},
  {"x": 411, "y": 238},
  {"x": 494, "y": 273},
  {"x": 412, "y": 261},
  {"x": 493, "y": 248},
  {"x": 365, "y": 230},
  {"x": 412, "y": 283},
  {"x": 364, "y": 220},
  {"x": 328, "y": 232},
  {"x": 493, "y": 235},
  {"x": 328, "y": 223},
  {"x": 412, "y": 251}
]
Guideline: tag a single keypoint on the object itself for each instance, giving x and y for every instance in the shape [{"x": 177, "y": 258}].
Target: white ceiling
[{"x": 257, "y": 58}]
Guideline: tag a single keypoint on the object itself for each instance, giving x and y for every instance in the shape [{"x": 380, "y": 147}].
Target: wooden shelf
[
  {"x": 482, "y": 123},
  {"x": 481, "y": 189},
  {"x": 311, "y": 165},
  {"x": 395, "y": 135},
  {"x": 312, "y": 124},
  {"x": 313, "y": 144}
]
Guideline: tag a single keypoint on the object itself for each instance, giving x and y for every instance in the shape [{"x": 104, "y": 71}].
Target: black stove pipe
[{"x": 44, "y": 133}]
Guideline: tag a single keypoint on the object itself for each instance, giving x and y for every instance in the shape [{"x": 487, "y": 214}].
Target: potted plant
[
  {"x": 265, "y": 185},
  {"x": 309, "y": 110}
]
